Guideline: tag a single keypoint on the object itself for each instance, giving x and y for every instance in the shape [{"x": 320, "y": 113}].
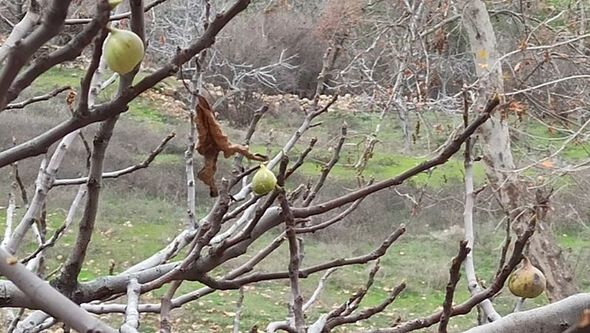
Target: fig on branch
[
  {"x": 123, "y": 50},
  {"x": 527, "y": 281},
  {"x": 263, "y": 181}
]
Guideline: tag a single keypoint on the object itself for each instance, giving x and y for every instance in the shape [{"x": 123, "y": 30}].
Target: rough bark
[
  {"x": 553, "y": 318},
  {"x": 497, "y": 154}
]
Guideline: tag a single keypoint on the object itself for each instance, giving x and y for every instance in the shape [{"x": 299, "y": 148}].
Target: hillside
[{"x": 143, "y": 211}]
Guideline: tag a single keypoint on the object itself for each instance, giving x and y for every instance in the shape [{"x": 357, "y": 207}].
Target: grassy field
[{"x": 141, "y": 213}]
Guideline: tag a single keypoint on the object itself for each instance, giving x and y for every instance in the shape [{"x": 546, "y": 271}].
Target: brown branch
[
  {"x": 102, "y": 112},
  {"x": 68, "y": 52},
  {"x": 52, "y": 24},
  {"x": 474, "y": 300},
  {"x": 207, "y": 230},
  {"x": 441, "y": 158},
  {"x": 67, "y": 280},
  {"x": 301, "y": 158},
  {"x": 303, "y": 273},
  {"x": 327, "y": 167},
  {"x": 82, "y": 107},
  {"x": 355, "y": 300},
  {"x": 251, "y": 129},
  {"x": 455, "y": 275},
  {"x": 166, "y": 306},
  {"x": 329, "y": 222},
  {"x": 19, "y": 182},
  {"x": 36, "y": 99},
  {"x": 294, "y": 262},
  {"x": 115, "y": 174},
  {"x": 368, "y": 313}
]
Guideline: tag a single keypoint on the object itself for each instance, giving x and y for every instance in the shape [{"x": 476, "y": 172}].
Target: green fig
[
  {"x": 263, "y": 181},
  {"x": 123, "y": 50},
  {"x": 527, "y": 281}
]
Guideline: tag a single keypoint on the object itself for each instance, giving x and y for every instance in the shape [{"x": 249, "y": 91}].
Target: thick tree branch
[
  {"x": 54, "y": 22},
  {"x": 131, "y": 313},
  {"x": 102, "y": 112},
  {"x": 47, "y": 298},
  {"x": 552, "y": 318}
]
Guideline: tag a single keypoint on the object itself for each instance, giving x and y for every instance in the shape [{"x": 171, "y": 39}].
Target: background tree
[{"x": 449, "y": 89}]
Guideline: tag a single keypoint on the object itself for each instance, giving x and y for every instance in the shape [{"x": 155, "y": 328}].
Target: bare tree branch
[
  {"x": 474, "y": 300},
  {"x": 52, "y": 24},
  {"x": 117, "y": 16},
  {"x": 239, "y": 304},
  {"x": 47, "y": 298},
  {"x": 294, "y": 262},
  {"x": 116, "y": 174},
  {"x": 36, "y": 99},
  {"x": 131, "y": 314},
  {"x": 441, "y": 158},
  {"x": 553, "y": 318},
  {"x": 102, "y": 112},
  {"x": 455, "y": 275}
]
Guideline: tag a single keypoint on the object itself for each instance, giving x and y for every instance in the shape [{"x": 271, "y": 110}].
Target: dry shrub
[
  {"x": 338, "y": 18},
  {"x": 258, "y": 39}
]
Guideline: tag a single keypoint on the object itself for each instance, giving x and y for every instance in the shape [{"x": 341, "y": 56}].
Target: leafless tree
[{"x": 239, "y": 217}]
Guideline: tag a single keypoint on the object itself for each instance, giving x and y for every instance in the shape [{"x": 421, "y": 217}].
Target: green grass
[
  {"x": 140, "y": 109},
  {"x": 131, "y": 226}
]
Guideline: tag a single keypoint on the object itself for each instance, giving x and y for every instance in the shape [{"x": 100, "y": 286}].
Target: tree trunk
[{"x": 497, "y": 154}]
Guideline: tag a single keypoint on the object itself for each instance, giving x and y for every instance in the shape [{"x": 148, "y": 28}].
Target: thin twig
[
  {"x": 327, "y": 167},
  {"x": 239, "y": 303},
  {"x": 476, "y": 299},
  {"x": 454, "y": 276},
  {"x": 118, "y": 173},
  {"x": 115, "y": 17},
  {"x": 36, "y": 99},
  {"x": 166, "y": 306}
]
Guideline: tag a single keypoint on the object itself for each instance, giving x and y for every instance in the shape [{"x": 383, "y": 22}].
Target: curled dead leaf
[{"x": 212, "y": 141}]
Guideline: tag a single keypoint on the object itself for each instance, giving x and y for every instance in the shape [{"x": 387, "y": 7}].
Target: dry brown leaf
[
  {"x": 212, "y": 141},
  {"x": 548, "y": 164},
  {"x": 70, "y": 99}
]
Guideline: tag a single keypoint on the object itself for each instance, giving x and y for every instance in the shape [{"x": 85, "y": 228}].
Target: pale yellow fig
[
  {"x": 527, "y": 281},
  {"x": 123, "y": 50},
  {"x": 114, "y": 3},
  {"x": 263, "y": 181}
]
